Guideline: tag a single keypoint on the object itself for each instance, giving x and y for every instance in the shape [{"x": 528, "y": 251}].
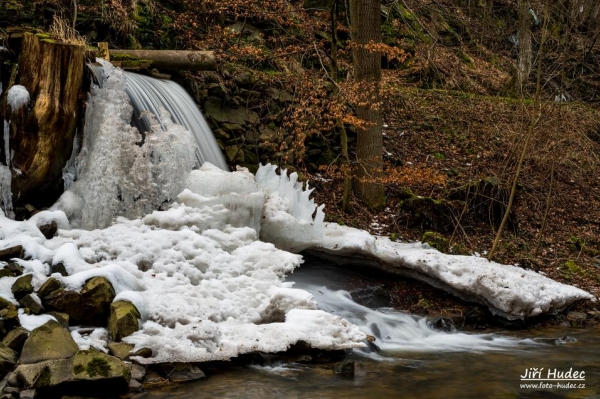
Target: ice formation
[
  {"x": 115, "y": 174},
  {"x": 17, "y": 97},
  {"x": 288, "y": 211},
  {"x": 508, "y": 291}
]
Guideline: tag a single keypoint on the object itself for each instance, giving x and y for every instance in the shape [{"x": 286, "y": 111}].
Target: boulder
[
  {"x": 16, "y": 338},
  {"x": 15, "y": 268},
  {"x": 33, "y": 303},
  {"x": 8, "y": 358},
  {"x": 49, "y": 230},
  {"x": 4, "y": 303},
  {"x": 7, "y": 254},
  {"x": 97, "y": 295},
  {"x": 59, "y": 268},
  {"x": 50, "y": 285},
  {"x": 120, "y": 349},
  {"x": 182, "y": 372},
  {"x": 61, "y": 318},
  {"x": 9, "y": 319},
  {"x": 110, "y": 374},
  {"x": 65, "y": 301},
  {"x": 48, "y": 342},
  {"x": 123, "y": 320},
  {"x": 90, "y": 306},
  {"x": 22, "y": 286}
]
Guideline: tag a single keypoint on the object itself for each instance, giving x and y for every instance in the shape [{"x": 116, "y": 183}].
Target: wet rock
[
  {"x": 59, "y": 268},
  {"x": 33, "y": 303},
  {"x": 346, "y": 368},
  {"x": 22, "y": 286},
  {"x": 16, "y": 338},
  {"x": 47, "y": 342},
  {"x": 372, "y": 297},
  {"x": 12, "y": 252},
  {"x": 50, "y": 285},
  {"x": 49, "y": 230},
  {"x": 565, "y": 340},
  {"x": 120, "y": 349},
  {"x": 441, "y": 324},
  {"x": 576, "y": 318},
  {"x": 153, "y": 378},
  {"x": 8, "y": 358},
  {"x": 182, "y": 372},
  {"x": 135, "y": 386},
  {"x": 137, "y": 371},
  {"x": 123, "y": 320}
]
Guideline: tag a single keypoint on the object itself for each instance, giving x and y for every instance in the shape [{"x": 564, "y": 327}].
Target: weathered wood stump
[{"x": 41, "y": 135}]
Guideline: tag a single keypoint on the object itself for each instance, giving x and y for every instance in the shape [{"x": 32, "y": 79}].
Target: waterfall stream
[{"x": 150, "y": 95}]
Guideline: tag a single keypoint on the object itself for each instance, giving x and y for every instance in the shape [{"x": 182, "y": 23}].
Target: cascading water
[
  {"x": 394, "y": 331},
  {"x": 150, "y": 95}
]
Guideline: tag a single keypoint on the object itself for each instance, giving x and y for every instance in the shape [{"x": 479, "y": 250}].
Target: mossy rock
[
  {"x": 22, "y": 286},
  {"x": 9, "y": 319},
  {"x": 16, "y": 338},
  {"x": 85, "y": 372},
  {"x": 123, "y": 320},
  {"x": 50, "y": 285},
  {"x": 435, "y": 240}
]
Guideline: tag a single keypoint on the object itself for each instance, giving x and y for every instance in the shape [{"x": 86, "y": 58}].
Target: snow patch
[{"x": 17, "y": 97}]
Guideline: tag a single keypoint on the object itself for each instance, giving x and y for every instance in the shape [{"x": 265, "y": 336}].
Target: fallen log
[{"x": 165, "y": 59}]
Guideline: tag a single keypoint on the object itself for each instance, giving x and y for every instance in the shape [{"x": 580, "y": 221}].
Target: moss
[
  {"x": 570, "y": 269},
  {"x": 44, "y": 378},
  {"x": 435, "y": 240},
  {"x": 78, "y": 369},
  {"x": 98, "y": 366}
]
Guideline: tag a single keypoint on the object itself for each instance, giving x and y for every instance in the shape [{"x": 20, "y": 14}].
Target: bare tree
[
  {"x": 365, "y": 18},
  {"x": 524, "y": 58}
]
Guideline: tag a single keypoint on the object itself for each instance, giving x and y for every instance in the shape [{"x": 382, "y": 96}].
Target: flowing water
[
  {"x": 415, "y": 361},
  {"x": 151, "y": 95}
]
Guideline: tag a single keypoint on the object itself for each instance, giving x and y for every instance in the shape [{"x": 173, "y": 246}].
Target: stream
[{"x": 414, "y": 361}]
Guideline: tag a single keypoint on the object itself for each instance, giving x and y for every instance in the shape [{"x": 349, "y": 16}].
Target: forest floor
[{"x": 456, "y": 152}]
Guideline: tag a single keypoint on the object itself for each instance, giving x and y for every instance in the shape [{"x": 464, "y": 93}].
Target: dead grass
[{"x": 63, "y": 32}]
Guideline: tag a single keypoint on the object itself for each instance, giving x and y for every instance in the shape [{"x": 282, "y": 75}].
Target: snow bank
[{"x": 508, "y": 291}]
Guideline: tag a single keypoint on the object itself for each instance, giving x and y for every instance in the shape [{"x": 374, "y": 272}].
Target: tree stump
[{"x": 41, "y": 135}]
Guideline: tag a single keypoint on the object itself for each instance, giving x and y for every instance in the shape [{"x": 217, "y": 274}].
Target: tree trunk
[
  {"x": 41, "y": 134},
  {"x": 366, "y": 28},
  {"x": 524, "y": 58}
]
